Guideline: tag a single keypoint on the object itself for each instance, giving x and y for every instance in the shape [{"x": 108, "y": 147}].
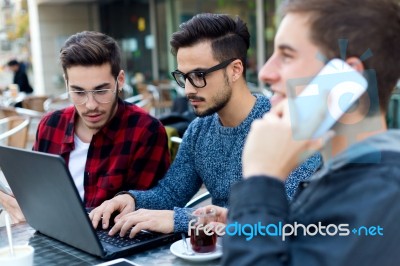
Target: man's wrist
[{"x": 128, "y": 193}]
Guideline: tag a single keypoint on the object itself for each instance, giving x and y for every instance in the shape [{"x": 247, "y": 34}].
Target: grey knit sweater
[{"x": 211, "y": 154}]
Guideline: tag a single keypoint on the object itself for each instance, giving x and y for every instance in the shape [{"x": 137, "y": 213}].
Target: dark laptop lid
[{"x": 45, "y": 191}]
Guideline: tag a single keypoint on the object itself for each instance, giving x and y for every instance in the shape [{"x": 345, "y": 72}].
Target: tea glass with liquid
[{"x": 202, "y": 238}]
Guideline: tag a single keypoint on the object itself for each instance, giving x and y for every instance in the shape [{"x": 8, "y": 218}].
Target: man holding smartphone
[{"x": 348, "y": 212}]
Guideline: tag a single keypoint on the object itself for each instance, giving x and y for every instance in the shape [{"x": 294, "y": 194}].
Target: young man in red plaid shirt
[{"x": 109, "y": 145}]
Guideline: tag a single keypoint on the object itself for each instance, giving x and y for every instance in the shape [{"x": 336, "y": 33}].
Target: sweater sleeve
[
  {"x": 181, "y": 219},
  {"x": 178, "y": 186}
]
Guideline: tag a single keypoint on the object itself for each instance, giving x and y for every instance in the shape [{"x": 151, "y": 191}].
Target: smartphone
[
  {"x": 118, "y": 262},
  {"x": 330, "y": 94}
]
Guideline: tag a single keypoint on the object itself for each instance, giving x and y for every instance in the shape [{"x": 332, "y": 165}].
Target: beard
[{"x": 219, "y": 101}]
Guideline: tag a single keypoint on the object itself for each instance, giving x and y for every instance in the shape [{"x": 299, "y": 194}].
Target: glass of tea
[{"x": 202, "y": 237}]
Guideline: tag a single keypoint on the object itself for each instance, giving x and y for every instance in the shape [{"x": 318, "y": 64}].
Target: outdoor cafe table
[{"x": 50, "y": 252}]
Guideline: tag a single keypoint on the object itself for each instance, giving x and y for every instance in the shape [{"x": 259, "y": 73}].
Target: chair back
[
  {"x": 56, "y": 103},
  {"x": 142, "y": 100},
  {"x": 6, "y": 111},
  {"x": 134, "y": 99},
  {"x": 16, "y": 131},
  {"x": 162, "y": 96},
  {"x": 173, "y": 141},
  {"x": 200, "y": 201},
  {"x": 34, "y": 103}
]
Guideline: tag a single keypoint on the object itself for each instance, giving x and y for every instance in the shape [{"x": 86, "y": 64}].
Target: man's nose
[
  {"x": 91, "y": 102},
  {"x": 269, "y": 72},
  {"x": 189, "y": 88}
]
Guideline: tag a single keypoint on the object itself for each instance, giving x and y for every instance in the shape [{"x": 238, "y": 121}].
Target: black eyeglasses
[{"x": 198, "y": 77}]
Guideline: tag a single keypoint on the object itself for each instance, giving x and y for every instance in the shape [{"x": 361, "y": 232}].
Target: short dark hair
[
  {"x": 229, "y": 37},
  {"x": 13, "y": 62},
  {"x": 366, "y": 24},
  {"x": 90, "y": 48}
]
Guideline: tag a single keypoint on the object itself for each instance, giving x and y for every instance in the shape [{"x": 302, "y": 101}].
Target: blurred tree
[{"x": 19, "y": 23}]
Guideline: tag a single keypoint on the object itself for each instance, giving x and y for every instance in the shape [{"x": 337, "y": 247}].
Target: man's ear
[
  {"x": 237, "y": 69},
  {"x": 356, "y": 63},
  {"x": 121, "y": 80}
]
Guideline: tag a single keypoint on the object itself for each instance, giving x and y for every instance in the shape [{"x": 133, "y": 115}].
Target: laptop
[{"x": 47, "y": 195}]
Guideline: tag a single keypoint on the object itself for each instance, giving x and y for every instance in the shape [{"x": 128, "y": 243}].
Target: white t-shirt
[{"x": 77, "y": 163}]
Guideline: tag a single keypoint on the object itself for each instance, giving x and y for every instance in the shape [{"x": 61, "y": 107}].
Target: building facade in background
[{"x": 142, "y": 28}]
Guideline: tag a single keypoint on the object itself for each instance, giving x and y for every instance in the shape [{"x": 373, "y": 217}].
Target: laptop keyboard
[{"x": 125, "y": 241}]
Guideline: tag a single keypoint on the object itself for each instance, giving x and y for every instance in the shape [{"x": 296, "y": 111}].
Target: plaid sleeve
[
  {"x": 54, "y": 134},
  {"x": 152, "y": 159}
]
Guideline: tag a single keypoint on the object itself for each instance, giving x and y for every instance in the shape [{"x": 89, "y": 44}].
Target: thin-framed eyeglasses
[
  {"x": 80, "y": 97},
  {"x": 198, "y": 77}
]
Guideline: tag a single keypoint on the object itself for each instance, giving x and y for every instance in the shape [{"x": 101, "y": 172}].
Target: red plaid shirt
[{"x": 130, "y": 152}]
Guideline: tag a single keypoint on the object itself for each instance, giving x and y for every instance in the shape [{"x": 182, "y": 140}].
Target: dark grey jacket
[{"x": 359, "y": 189}]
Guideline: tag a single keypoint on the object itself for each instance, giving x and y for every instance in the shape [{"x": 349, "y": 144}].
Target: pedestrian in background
[{"x": 20, "y": 76}]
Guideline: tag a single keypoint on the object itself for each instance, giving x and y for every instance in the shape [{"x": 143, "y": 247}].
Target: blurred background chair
[
  {"x": 163, "y": 95},
  {"x": 56, "y": 103},
  {"x": 134, "y": 99},
  {"x": 141, "y": 101},
  {"x": 201, "y": 199},
  {"x": 6, "y": 111},
  {"x": 148, "y": 97},
  {"x": 176, "y": 140},
  {"x": 33, "y": 116},
  {"x": 173, "y": 141},
  {"x": 34, "y": 103},
  {"x": 145, "y": 104},
  {"x": 14, "y": 131}
]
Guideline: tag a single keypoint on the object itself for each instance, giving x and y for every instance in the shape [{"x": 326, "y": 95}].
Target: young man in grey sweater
[{"x": 211, "y": 54}]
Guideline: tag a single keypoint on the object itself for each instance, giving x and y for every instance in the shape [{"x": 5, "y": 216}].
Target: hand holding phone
[{"x": 328, "y": 97}]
